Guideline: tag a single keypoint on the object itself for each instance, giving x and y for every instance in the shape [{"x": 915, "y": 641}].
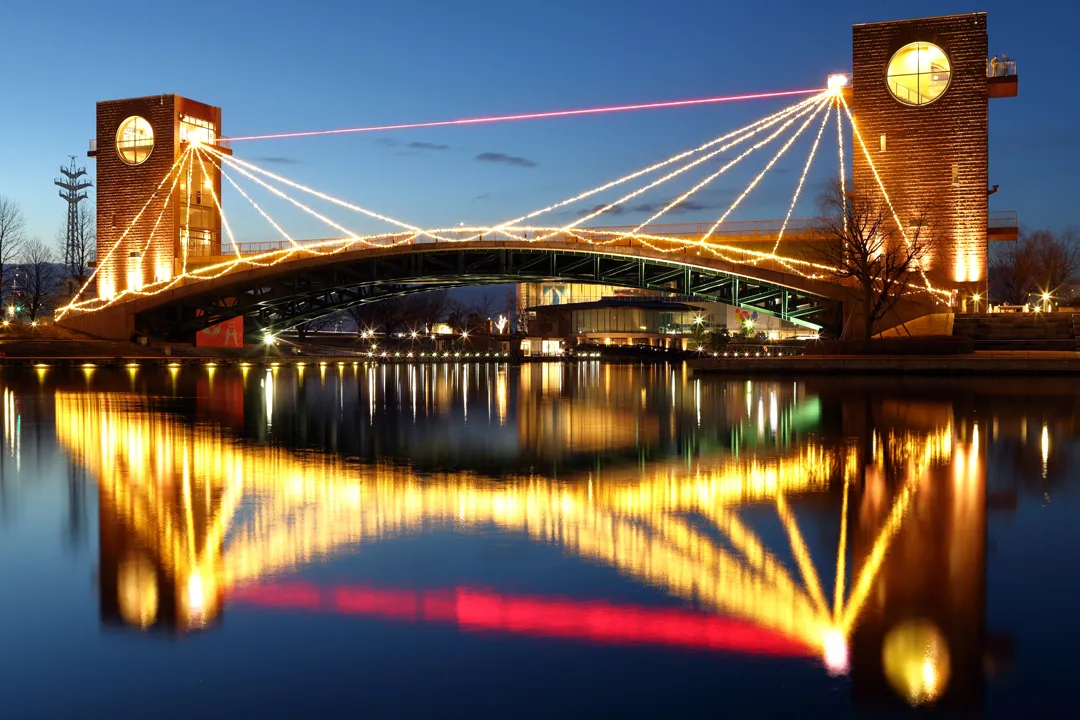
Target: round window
[
  {"x": 134, "y": 140},
  {"x": 918, "y": 73}
]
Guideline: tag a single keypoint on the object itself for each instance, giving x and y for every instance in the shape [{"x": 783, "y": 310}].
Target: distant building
[{"x": 555, "y": 315}]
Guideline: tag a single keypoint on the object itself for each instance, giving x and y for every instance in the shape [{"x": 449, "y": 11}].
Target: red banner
[{"x": 225, "y": 334}]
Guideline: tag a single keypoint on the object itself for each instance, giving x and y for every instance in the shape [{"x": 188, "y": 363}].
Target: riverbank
[{"x": 992, "y": 362}]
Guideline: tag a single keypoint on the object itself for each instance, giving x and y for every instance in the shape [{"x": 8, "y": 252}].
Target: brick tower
[
  {"x": 919, "y": 95},
  {"x": 138, "y": 146}
]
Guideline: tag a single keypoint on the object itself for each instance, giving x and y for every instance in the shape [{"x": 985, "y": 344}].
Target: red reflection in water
[{"x": 485, "y": 611}]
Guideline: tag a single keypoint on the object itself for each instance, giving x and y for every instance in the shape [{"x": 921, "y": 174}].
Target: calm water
[{"x": 552, "y": 540}]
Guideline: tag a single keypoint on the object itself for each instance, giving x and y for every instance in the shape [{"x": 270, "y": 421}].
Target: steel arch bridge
[{"x": 281, "y": 296}]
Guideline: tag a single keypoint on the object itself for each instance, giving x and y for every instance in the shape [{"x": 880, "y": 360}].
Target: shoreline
[{"x": 988, "y": 362}]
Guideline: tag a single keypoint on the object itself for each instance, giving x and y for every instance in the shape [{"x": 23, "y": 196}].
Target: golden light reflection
[
  {"x": 916, "y": 660},
  {"x": 180, "y": 487}
]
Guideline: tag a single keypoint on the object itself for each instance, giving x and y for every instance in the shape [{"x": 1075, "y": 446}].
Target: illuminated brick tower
[
  {"x": 919, "y": 95},
  {"x": 140, "y": 142}
]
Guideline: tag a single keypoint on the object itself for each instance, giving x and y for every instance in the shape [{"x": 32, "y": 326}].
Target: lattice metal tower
[{"x": 72, "y": 189}]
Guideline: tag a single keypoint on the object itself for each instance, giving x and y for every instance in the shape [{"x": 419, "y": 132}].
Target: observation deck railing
[
  {"x": 1001, "y": 219},
  {"x": 1001, "y": 68}
]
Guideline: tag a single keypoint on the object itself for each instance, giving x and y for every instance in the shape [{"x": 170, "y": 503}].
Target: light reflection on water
[{"x": 837, "y": 522}]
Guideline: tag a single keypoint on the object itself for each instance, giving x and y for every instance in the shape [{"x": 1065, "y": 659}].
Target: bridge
[
  {"x": 312, "y": 284},
  {"x": 169, "y": 263}
]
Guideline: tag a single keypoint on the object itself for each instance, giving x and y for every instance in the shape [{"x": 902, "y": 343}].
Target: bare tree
[
  {"x": 12, "y": 237},
  {"x": 85, "y": 248},
  {"x": 1039, "y": 262},
  {"x": 41, "y": 279},
  {"x": 858, "y": 238},
  {"x": 521, "y": 313}
]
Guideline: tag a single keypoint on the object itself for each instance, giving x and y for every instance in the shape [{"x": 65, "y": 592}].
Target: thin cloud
[
  {"x": 277, "y": 159},
  {"x": 497, "y": 157},
  {"x": 427, "y": 146},
  {"x": 485, "y": 196}
]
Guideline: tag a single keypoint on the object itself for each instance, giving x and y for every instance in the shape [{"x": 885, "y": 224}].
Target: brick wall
[
  {"x": 124, "y": 190},
  {"x": 923, "y": 143}
]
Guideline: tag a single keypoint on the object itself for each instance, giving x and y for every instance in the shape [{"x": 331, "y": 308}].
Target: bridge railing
[{"x": 608, "y": 235}]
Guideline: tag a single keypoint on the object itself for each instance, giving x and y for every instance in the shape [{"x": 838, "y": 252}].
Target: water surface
[{"x": 556, "y": 539}]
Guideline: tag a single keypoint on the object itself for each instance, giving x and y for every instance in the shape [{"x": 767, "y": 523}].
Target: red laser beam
[
  {"x": 530, "y": 116},
  {"x": 486, "y": 611}
]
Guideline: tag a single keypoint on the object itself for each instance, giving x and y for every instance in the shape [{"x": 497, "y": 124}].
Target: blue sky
[{"x": 286, "y": 66}]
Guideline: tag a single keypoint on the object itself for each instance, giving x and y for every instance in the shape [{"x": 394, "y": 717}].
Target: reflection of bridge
[{"x": 171, "y": 494}]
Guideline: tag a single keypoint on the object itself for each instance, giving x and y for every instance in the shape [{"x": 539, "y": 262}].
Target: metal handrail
[
  {"x": 1002, "y": 68},
  {"x": 1001, "y": 219}
]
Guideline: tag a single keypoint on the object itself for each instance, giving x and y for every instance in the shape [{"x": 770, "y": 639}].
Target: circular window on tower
[
  {"x": 918, "y": 73},
  {"x": 134, "y": 140}
]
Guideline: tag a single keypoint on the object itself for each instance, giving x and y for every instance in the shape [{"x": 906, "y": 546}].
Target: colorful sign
[{"x": 229, "y": 333}]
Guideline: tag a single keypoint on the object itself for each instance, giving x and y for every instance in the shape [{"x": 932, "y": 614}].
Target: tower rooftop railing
[{"x": 1000, "y": 68}]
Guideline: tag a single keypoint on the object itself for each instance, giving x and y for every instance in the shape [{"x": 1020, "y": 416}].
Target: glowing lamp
[{"x": 835, "y": 82}]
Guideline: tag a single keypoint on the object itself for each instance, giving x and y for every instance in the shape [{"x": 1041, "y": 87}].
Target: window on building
[
  {"x": 196, "y": 130},
  {"x": 918, "y": 73},
  {"x": 883, "y": 143},
  {"x": 134, "y": 140},
  {"x": 955, "y": 174}
]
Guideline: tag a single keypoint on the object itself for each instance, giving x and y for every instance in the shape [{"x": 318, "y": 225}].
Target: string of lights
[
  {"x": 254, "y": 204},
  {"x": 802, "y": 177},
  {"x": 652, "y": 168},
  {"x": 840, "y": 150},
  {"x": 161, "y": 215},
  {"x": 217, "y": 203},
  {"x": 685, "y": 196},
  {"x": 704, "y": 158},
  {"x": 235, "y": 163},
  {"x": 753, "y": 183},
  {"x": 881, "y": 185},
  {"x": 109, "y": 253}
]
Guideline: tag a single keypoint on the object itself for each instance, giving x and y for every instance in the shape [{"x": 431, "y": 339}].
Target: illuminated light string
[
  {"x": 682, "y": 198},
  {"x": 502, "y": 228},
  {"x": 753, "y": 183},
  {"x": 254, "y": 204},
  {"x": 766, "y": 121},
  {"x": 161, "y": 215},
  {"x": 351, "y": 237},
  {"x": 217, "y": 204},
  {"x": 840, "y": 150},
  {"x": 885, "y": 193},
  {"x": 529, "y": 116},
  {"x": 802, "y": 178},
  {"x": 349, "y": 233},
  {"x": 187, "y": 220},
  {"x": 235, "y": 163},
  {"x": 138, "y": 215},
  {"x": 689, "y": 166}
]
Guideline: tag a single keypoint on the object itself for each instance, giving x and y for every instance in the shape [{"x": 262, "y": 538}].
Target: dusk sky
[{"x": 285, "y": 66}]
